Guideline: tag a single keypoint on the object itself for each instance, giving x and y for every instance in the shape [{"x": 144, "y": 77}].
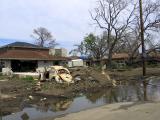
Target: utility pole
[
  {"x": 0, "y": 113},
  {"x": 142, "y": 39}
]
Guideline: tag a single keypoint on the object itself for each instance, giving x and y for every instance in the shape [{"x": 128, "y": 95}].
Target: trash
[
  {"x": 30, "y": 97},
  {"x": 114, "y": 83},
  {"x": 62, "y": 105},
  {"x": 7, "y": 71},
  {"x": 25, "y": 116},
  {"x": 43, "y": 99},
  {"x": 38, "y": 84},
  {"x": 90, "y": 78},
  {"x": 77, "y": 78},
  {"x": 28, "y": 88}
]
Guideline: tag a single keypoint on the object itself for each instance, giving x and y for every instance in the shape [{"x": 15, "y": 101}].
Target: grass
[
  {"x": 45, "y": 87},
  {"x": 28, "y": 79},
  {"x": 137, "y": 72},
  {"x": 2, "y": 77}
]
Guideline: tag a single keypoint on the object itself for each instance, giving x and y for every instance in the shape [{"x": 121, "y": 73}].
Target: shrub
[
  {"x": 114, "y": 65},
  {"x": 28, "y": 79},
  {"x": 14, "y": 77},
  {"x": 1, "y": 74}
]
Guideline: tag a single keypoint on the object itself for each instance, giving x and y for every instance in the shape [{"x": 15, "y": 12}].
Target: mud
[
  {"x": 85, "y": 80},
  {"x": 14, "y": 93},
  {"x": 11, "y": 93}
]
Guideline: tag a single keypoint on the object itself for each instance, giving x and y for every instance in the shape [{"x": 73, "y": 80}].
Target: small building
[
  {"x": 26, "y": 57},
  {"x": 76, "y": 63},
  {"x": 153, "y": 56},
  {"x": 119, "y": 59}
]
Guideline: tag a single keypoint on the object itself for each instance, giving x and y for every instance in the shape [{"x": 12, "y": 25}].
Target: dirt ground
[
  {"x": 85, "y": 80},
  {"x": 11, "y": 94},
  {"x": 92, "y": 79},
  {"x": 136, "y": 72},
  {"x": 13, "y": 90}
]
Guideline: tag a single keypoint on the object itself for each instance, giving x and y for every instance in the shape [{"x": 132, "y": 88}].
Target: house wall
[
  {"x": 64, "y": 52},
  {"x": 58, "y": 52},
  {"x": 7, "y": 64},
  {"x": 44, "y": 63},
  {"x": 41, "y": 64}
]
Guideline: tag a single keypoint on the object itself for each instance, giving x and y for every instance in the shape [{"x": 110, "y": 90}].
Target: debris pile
[{"x": 91, "y": 75}]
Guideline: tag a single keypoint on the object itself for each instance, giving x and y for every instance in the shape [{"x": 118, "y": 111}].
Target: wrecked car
[{"x": 60, "y": 74}]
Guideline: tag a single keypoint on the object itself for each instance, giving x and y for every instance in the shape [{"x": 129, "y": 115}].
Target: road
[{"x": 119, "y": 111}]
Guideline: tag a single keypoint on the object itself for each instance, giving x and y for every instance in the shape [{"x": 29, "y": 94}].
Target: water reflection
[
  {"x": 145, "y": 90},
  {"x": 55, "y": 106},
  {"x": 141, "y": 91},
  {"x": 62, "y": 105},
  {"x": 109, "y": 95},
  {"x": 0, "y": 114},
  {"x": 122, "y": 93},
  {"x": 132, "y": 91}
]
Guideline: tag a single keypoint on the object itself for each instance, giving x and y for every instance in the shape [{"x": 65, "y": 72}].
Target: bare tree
[
  {"x": 151, "y": 17},
  {"x": 121, "y": 21},
  {"x": 108, "y": 16},
  {"x": 43, "y": 37}
]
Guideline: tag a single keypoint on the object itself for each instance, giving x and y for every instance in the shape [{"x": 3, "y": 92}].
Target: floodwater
[{"x": 41, "y": 108}]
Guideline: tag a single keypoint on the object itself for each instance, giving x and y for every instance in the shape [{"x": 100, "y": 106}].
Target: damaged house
[{"x": 26, "y": 57}]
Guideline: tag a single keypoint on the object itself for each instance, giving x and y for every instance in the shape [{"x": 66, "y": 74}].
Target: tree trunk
[
  {"x": 109, "y": 61},
  {"x": 109, "y": 48}
]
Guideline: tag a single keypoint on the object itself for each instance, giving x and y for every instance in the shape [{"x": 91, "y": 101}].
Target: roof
[
  {"x": 120, "y": 56},
  {"x": 154, "y": 54},
  {"x": 24, "y": 45},
  {"x": 16, "y": 54}
]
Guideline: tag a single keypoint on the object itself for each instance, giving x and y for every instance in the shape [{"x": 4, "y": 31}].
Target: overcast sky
[{"x": 68, "y": 20}]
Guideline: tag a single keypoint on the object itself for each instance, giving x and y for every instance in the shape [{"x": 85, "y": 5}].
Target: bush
[
  {"x": 2, "y": 77},
  {"x": 114, "y": 65},
  {"x": 1, "y": 74},
  {"x": 15, "y": 77},
  {"x": 119, "y": 66},
  {"x": 98, "y": 67},
  {"x": 152, "y": 64},
  {"x": 28, "y": 79}
]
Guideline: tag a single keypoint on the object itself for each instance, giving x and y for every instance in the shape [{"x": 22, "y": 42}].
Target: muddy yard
[
  {"x": 14, "y": 91},
  {"x": 85, "y": 80},
  {"x": 15, "y": 94}
]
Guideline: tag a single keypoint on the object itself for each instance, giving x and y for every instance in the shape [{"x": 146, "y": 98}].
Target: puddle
[{"x": 39, "y": 108}]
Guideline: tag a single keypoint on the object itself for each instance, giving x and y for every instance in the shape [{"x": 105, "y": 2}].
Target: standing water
[{"x": 42, "y": 108}]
